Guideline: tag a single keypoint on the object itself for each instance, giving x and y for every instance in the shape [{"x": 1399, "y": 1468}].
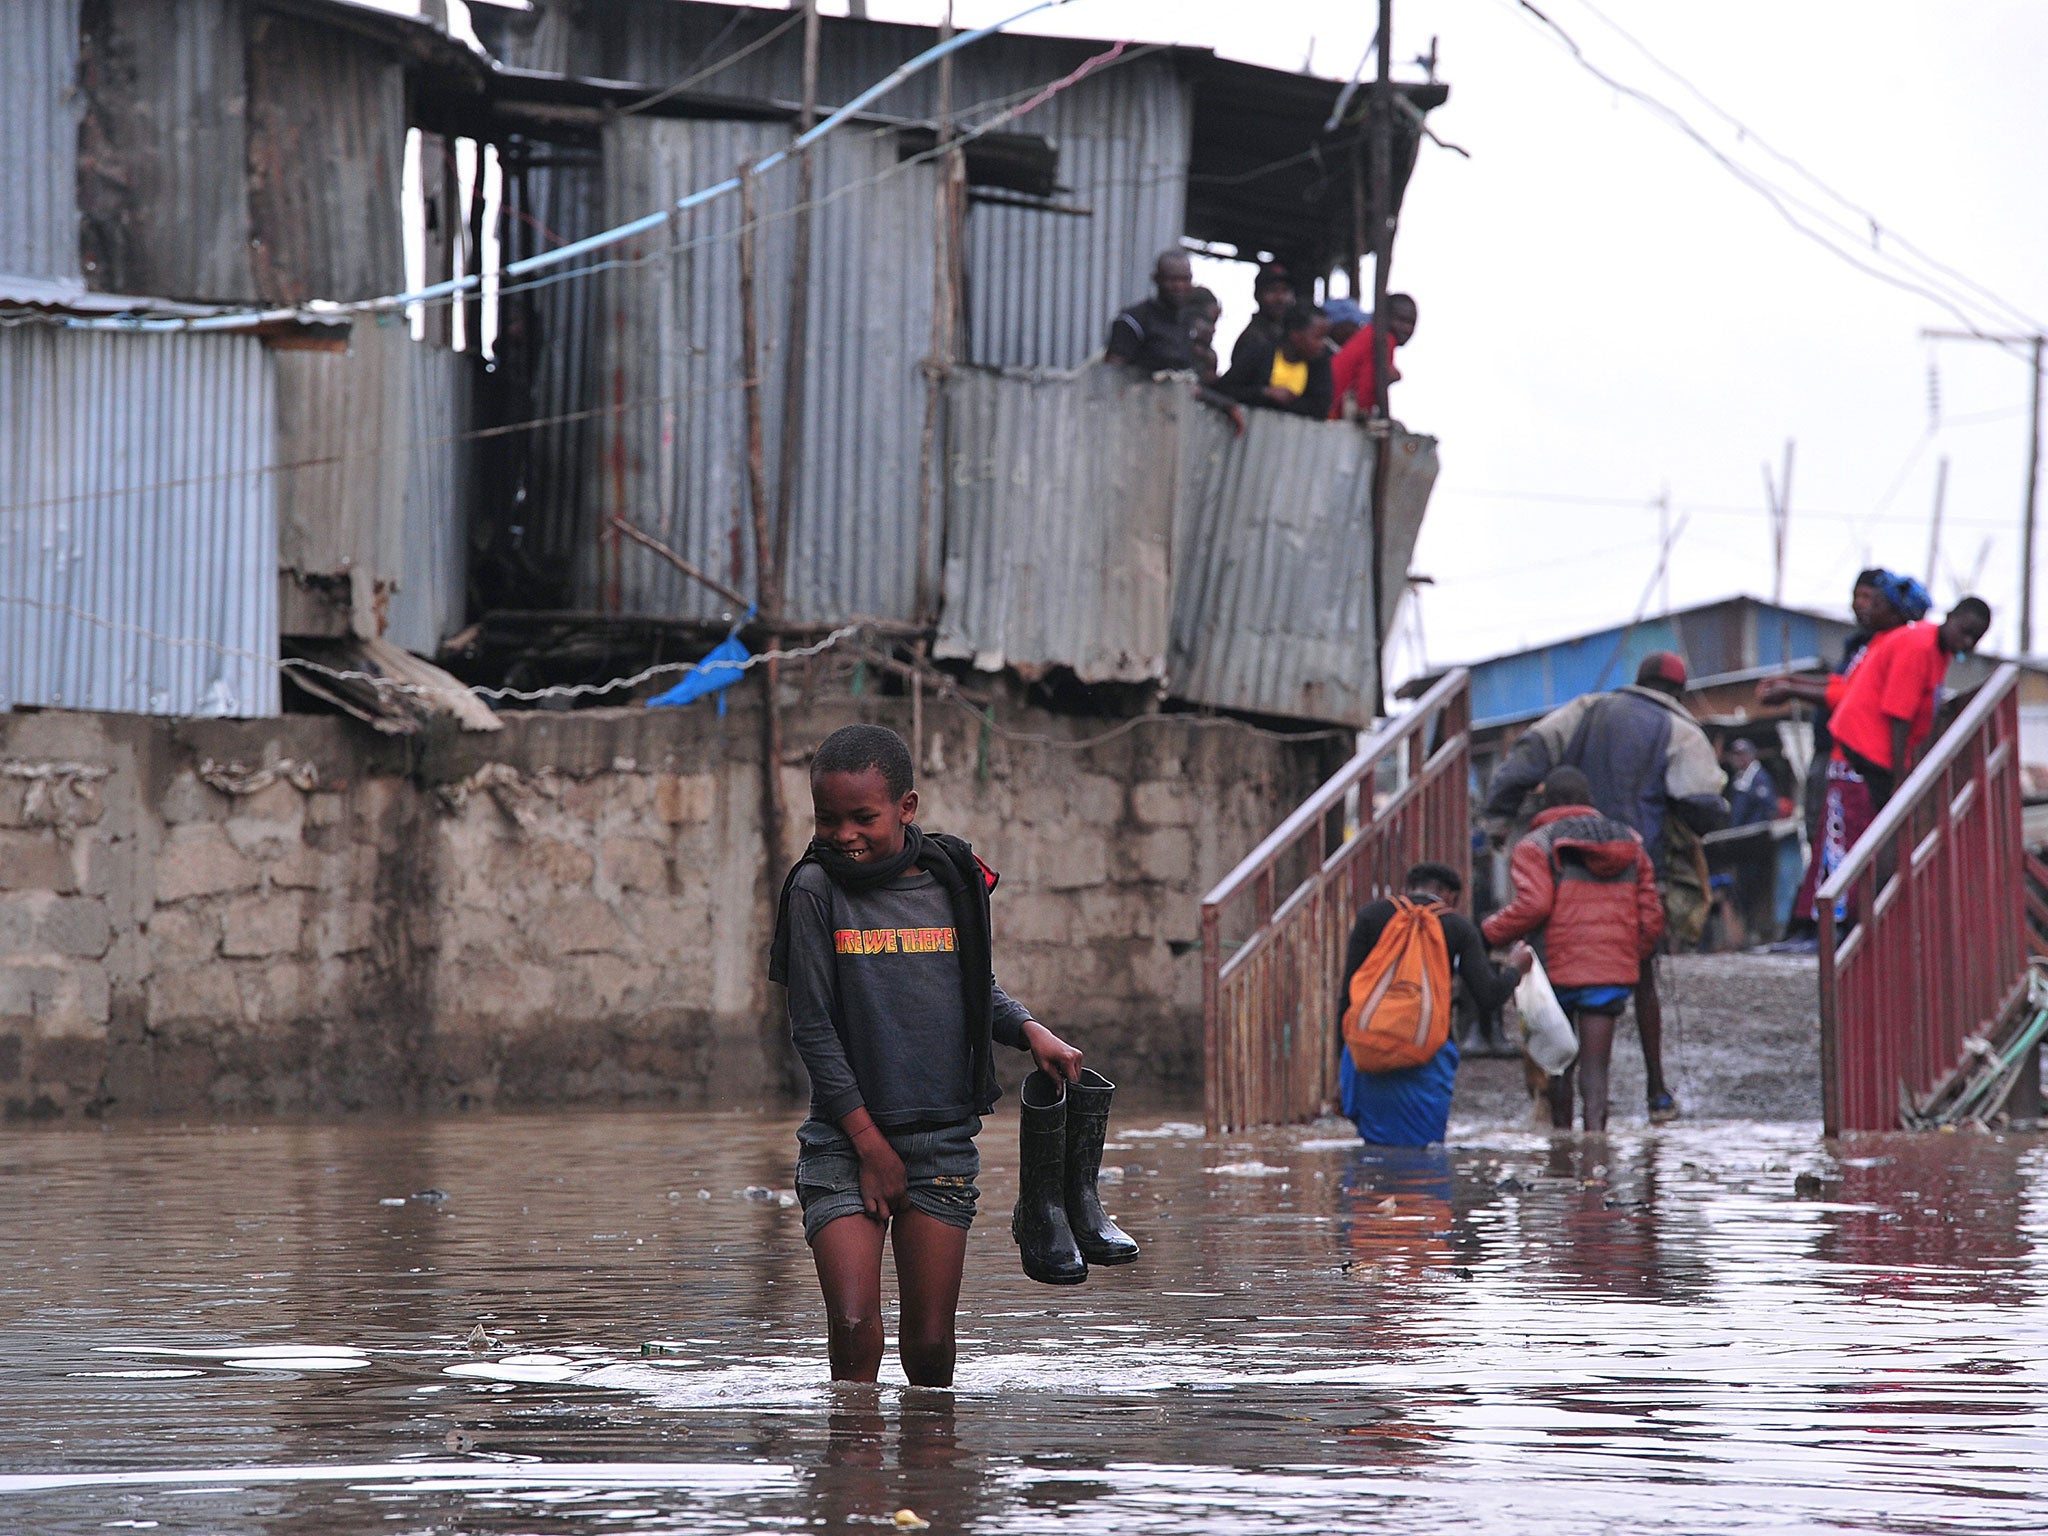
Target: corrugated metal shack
[
  {"x": 251, "y": 152},
  {"x": 1229, "y": 590},
  {"x": 173, "y": 505}
]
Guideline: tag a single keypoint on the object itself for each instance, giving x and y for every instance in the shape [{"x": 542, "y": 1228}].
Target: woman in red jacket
[{"x": 1585, "y": 880}]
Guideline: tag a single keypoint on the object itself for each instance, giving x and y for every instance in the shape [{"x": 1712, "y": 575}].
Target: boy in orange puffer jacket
[{"x": 1586, "y": 881}]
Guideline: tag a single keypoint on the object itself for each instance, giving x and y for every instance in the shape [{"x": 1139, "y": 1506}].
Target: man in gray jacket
[{"x": 1648, "y": 761}]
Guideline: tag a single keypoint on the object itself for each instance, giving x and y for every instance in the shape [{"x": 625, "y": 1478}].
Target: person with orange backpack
[
  {"x": 1398, "y": 1062},
  {"x": 1586, "y": 881}
]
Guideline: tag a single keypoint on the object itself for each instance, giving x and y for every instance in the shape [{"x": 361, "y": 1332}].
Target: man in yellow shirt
[{"x": 1292, "y": 375}]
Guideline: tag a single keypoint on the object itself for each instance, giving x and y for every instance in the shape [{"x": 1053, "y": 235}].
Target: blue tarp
[{"x": 724, "y": 666}]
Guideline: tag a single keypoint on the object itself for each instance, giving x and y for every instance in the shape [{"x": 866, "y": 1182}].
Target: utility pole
[
  {"x": 1934, "y": 533},
  {"x": 1779, "y": 494},
  {"x": 2034, "y": 343},
  {"x": 1382, "y": 170}
]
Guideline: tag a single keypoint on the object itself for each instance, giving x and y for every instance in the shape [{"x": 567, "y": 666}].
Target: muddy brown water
[{"x": 1708, "y": 1328}]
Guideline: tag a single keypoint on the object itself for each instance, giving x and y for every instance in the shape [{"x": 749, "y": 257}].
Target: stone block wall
[{"x": 236, "y": 916}]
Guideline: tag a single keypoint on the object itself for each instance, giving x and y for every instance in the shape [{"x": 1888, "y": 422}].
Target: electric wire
[{"x": 1930, "y": 287}]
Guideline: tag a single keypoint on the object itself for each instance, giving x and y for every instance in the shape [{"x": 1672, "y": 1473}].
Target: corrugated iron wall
[
  {"x": 1061, "y": 493},
  {"x": 163, "y": 150},
  {"x": 39, "y": 126},
  {"x": 556, "y": 199},
  {"x": 1041, "y": 287},
  {"x": 327, "y": 127},
  {"x": 673, "y": 458},
  {"x": 1272, "y": 593},
  {"x": 137, "y": 502},
  {"x": 432, "y": 599},
  {"x": 344, "y": 420}
]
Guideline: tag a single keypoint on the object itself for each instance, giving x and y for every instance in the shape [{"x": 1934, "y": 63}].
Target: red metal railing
[
  {"x": 1274, "y": 929},
  {"x": 1939, "y": 951}
]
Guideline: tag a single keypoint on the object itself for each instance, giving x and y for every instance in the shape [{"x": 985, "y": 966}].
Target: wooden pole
[
  {"x": 938, "y": 364},
  {"x": 772, "y": 808},
  {"x": 1934, "y": 532},
  {"x": 2033, "y": 498},
  {"x": 794, "y": 363},
  {"x": 1382, "y": 120}
]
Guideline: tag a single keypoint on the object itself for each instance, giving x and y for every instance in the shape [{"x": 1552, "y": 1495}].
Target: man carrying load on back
[{"x": 1398, "y": 1063}]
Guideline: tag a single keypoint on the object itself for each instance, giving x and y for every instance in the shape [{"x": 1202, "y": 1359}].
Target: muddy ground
[{"x": 1741, "y": 1042}]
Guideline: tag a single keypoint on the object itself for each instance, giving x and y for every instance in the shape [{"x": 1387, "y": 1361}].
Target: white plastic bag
[{"x": 1546, "y": 1033}]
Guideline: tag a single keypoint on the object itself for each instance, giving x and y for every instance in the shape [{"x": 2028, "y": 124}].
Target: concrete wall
[{"x": 229, "y": 916}]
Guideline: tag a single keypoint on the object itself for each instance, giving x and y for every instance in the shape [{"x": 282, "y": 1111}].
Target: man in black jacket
[
  {"x": 1152, "y": 335},
  {"x": 1291, "y": 375}
]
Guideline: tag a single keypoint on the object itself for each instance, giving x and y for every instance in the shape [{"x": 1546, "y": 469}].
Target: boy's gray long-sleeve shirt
[{"x": 875, "y": 1006}]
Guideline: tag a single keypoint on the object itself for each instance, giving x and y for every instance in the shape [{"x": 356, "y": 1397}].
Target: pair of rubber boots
[{"x": 1059, "y": 1223}]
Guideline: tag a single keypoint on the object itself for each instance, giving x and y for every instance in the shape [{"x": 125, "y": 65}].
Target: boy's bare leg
[
  {"x": 1650, "y": 1028},
  {"x": 929, "y": 1258},
  {"x": 1596, "y": 1051},
  {"x": 1559, "y": 1092},
  {"x": 849, "y": 1258}
]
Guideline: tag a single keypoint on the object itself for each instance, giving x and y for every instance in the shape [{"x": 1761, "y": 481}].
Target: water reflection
[{"x": 439, "y": 1325}]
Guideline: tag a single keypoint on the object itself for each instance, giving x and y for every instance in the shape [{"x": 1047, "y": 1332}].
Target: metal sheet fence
[
  {"x": 1088, "y": 512},
  {"x": 1275, "y": 928},
  {"x": 39, "y": 126},
  {"x": 674, "y": 459},
  {"x": 1061, "y": 499},
  {"x": 1939, "y": 950},
  {"x": 138, "y": 523},
  {"x": 1272, "y": 607},
  {"x": 433, "y": 572}
]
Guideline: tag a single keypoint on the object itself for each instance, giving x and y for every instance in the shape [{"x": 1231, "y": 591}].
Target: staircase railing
[
  {"x": 1938, "y": 953},
  {"x": 1274, "y": 929}
]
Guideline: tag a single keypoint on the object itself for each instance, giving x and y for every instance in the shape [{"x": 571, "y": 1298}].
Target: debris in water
[
  {"x": 662, "y": 1347},
  {"x": 907, "y": 1520},
  {"x": 480, "y": 1339},
  {"x": 430, "y": 1196},
  {"x": 1510, "y": 1185},
  {"x": 1251, "y": 1170},
  {"x": 392, "y": 1200},
  {"x": 1111, "y": 1174},
  {"x": 1811, "y": 1186}
]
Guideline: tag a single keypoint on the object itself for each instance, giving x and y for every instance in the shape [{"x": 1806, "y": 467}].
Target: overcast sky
[{"x": 1608, "y": 314}]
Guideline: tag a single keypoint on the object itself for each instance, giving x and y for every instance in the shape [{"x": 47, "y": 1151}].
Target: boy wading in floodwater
[
  {"x": 1586, "y": 882},
  {"x": 883, "y": 940}
]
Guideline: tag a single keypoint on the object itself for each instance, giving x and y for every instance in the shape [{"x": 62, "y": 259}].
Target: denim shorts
[{"x": 941, "y": 1165}]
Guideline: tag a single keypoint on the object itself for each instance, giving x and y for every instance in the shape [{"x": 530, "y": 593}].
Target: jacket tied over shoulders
[{"x": 1643, "y": 752}]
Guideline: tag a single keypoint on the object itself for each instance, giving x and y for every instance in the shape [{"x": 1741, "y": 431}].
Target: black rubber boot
[
  {"x": 1101, "y": 1240},
  {"x": 1039, "y": 1224}
]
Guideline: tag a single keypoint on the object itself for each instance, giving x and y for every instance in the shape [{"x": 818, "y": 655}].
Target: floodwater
[{"x": 583, "y": 1322}]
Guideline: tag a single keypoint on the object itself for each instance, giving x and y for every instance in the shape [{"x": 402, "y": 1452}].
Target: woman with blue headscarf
[{"x": 1881, "y": 601}]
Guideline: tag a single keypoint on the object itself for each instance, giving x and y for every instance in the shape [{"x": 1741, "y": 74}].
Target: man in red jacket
[{"x": 1584, "y": 879}]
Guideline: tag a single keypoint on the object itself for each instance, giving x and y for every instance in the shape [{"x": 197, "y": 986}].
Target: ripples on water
[{"x": 438, "y": 1325}]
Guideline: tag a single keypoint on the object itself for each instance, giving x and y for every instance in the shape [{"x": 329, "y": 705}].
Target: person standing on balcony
[
  {"x": 1880, "y": 602},
  {"x": 1293, "y": 375},
  {"x": 1411, "y": 1107},
  {"x": 1272, "y": 296},
  {"x": 1885, "y": 712},
  {"x": 1352, "y": 371},
  {"x": 1585, "y": 881},
  {"x": 1152, "y": 334},
  {"x": 1650, "y": 765}
]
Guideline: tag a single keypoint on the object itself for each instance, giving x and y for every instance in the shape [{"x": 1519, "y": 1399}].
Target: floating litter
[
  {"x": 907, "y": 1520},
  {"x": 1251, "y": 1170},
  {"x": 1177, "y": 1130},
  {"x": 392, "y": 1200}
]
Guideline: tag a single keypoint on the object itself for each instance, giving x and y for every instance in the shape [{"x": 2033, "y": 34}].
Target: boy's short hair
[
  {"x": 1566, "y": 785},
  {"x": 1439, "y": 877},
  {"x": 857, "y": 748}
]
